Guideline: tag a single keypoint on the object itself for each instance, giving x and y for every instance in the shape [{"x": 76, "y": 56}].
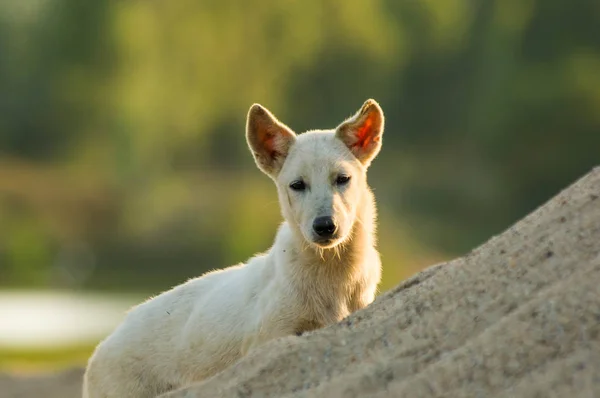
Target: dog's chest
[{"x": 321, "y": 309}]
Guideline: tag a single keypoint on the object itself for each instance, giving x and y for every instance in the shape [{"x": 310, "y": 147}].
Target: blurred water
[{"x": 33, "y": 319}]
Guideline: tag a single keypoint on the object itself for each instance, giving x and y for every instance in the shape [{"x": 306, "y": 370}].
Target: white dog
[{"x": 322, "y": 266}]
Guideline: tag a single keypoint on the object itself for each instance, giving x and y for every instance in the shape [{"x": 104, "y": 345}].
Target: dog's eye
[
  {"x": 342, "y": 179},
  {"x": 298, "y": 185}
]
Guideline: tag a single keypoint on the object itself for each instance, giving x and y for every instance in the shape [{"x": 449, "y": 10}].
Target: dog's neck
[{"x": 356, "y": 245}]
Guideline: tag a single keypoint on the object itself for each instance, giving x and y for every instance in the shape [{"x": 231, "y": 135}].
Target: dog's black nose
[{"x": 324, "y": 226}]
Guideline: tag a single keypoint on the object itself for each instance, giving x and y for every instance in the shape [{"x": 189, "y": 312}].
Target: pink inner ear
[
  {"x": 364, "y": 134},
  {"x": 269, "y": 144}
]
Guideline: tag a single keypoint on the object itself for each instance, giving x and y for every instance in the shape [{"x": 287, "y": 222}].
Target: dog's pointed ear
[
  {"x": 362, "y": 132},
  {"x": 269, "y": 139}
]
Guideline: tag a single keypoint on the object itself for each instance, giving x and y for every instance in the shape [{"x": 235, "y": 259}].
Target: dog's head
[{"x": 320, "y": 175}]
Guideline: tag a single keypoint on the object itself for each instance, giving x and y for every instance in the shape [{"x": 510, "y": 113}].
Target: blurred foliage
[
  {"x": 33, "y": 360},
  {"x": 123, "y": 163}
]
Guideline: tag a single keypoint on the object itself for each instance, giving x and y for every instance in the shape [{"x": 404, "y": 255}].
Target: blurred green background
[{"x": 123, "y": 163}]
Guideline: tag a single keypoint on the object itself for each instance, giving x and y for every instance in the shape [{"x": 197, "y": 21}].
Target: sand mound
[{"x": 517, "y": 317}]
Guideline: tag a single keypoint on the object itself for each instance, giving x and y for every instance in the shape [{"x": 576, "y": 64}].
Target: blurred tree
[
  {"x": 122, "y": 123},
  {"x": 55, "y": 56}
]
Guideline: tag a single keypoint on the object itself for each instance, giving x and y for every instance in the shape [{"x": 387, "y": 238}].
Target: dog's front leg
[{"x": 362, "y": 297}]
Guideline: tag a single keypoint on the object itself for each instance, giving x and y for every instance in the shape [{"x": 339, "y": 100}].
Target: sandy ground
[
  {"x": 64, "y": 385},
  {"x": 517, "y": 317}
]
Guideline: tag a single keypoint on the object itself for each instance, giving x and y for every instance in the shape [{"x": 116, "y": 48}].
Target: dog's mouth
[{"x": 326, "y": 243}]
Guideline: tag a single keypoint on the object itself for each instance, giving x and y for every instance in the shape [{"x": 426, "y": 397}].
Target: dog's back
[{"x": 144, "y": 345}]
